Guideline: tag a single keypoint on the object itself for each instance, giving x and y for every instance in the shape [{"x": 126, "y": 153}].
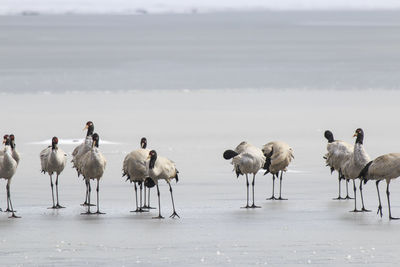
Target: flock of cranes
[
  {"x": 353, "y": 162},
  {"x": 145, "y": 168}
]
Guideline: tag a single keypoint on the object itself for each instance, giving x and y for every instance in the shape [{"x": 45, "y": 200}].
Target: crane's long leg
[
  {"x": 9, "y": 200},
  {"x": 362, "y": 198},
  {"x": 339, "y": 197},
  {"x": 58, "y": 206},
  {"x": 85, "y": 203},
  {"x": 273, "y": 188},
  {"x": 280, "y": 188},
  {"x": 387, "y": 194},
  {"x": 89, "y": 190},
  {"x": 52, "y": 193},
  {"x": 347, "y": 190},
  {"x": 379, "y": 198},
  {"x": 247, "y": 184},
  {"x": 252, "y": 184},
  {"x": 173, "y": 204},
  {"x": 159, "y": 205},
  {"x": 97, "y": 191},
  {"x": 144, "y": 201},
  {"x": 141, "y": 197},
  {"x": 86, "y": 196},
  {"x": 148, "y": 201},
  {"x": 135, "y": 188},
  {"x": 355, "y": 198}
]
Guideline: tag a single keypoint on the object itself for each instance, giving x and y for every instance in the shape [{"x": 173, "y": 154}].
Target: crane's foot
[
  {"x": 139, "y": 210},
  {"x": 355, "y": 210},
  {"x": 174, "y": 214},
  {"x": 58, "y": 206},
  {"x": 85, "y": 204},
  {"x": 158, "y": 217},
  {"x": 348, "y": 197},
  {"x": 271, "y": 198},
  {"x": 393, "y": 218},
  {"x": 14, "y": 216},
  {"x": 365, "y": 210},
  {"x": 53, "y": 207},
  {"x": 338, "y": 198},
  {"x": 98, "y": 212},
  {"x": 148, "y": 207},
  {"x": 254, "y": 206},
  {"x": 87, "y": 213},
  {"x": 280, "y": 198},
  {"x": 8, "y": 210},
  {"x": 379, "y": 211},
  {"x": 246, "y": 207}
]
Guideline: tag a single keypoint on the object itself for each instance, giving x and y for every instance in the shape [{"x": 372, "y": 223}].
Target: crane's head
[
  {"x": 143, "y": 142},
  {"x": 329, "y": 136},
  {"x": 89, "y": 127},
  {"x": 96, "y": 139}
]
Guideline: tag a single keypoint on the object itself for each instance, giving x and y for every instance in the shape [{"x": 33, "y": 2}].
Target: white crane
[
  {"x": 278, "y": 157},
  {"x": 246, "y": 159},
  {"x": 8, "y": 167},
  {"x": 92, "y": 166},
  {"x": 161, "y": 168},
  {"x": 338, "y": 153},
  {"x": 134, "y": 167},
  {"x": 355, "y": 164},
  {"x": 80, "y": 150},
  {"x": 385, "y": 167},
  {"x": 53, "y": 160}
]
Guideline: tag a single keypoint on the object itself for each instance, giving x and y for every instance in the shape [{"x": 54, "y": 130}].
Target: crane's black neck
[
  {"x": 143, "y": 143},
  {"x": 360, "y": 137},
  {"x": 90, "y": 130},
  {"x": 96, "y": 140},
  {"x": 8, "y": 142},
  {"x": 153, "y": 158}
]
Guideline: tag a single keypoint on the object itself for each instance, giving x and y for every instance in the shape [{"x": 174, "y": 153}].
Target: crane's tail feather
[
  {"x": 149, "y": 183},
  {"x": 364, "y": 172}
]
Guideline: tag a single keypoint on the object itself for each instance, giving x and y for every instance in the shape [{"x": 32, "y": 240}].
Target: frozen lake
[
  {"x": 196, "y": 85},
  {"x": 193, "y": 129}
]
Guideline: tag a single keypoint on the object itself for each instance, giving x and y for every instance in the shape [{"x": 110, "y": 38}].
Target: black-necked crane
[
  {"x": 80, "y": 150},
  {"x": 278, "y": 157},
  {"x": 53, "y": 160},
  {"x": 161, "y": 168},
  {"x": 8, "y": 167},
  {"x": 338, "y": 153},
  {"x": 385, "y": 167},
  {"x": 134, "y": 167},
  {"x": 246, "y": 159},
  {"x": 355, "y": 164},
  {"x": 92, "y": 166}
]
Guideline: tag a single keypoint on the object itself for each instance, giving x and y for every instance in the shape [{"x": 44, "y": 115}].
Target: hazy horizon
[{"x": 29, "y": 7}]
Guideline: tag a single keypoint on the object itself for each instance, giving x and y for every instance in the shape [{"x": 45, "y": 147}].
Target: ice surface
[{"x": 193, "y": 129}]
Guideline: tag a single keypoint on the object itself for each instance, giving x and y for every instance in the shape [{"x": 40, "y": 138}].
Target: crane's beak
[
  {"x": 86, "y": 127},
  {"x": 4, "y": 141},
  {"x": 148, "y": 157},
  {"x": 355, "y": 134}
]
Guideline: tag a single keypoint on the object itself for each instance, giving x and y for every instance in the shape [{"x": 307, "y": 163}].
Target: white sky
[{"x": 179, "y": 6}]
